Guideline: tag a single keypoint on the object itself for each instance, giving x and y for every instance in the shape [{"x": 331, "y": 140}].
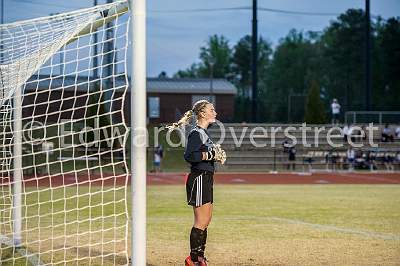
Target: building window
[
  {"x": 154, "y": 107},
  {"x": 209, "y": 98}
]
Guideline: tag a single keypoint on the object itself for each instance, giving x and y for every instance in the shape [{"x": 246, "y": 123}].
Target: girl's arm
[{"x": 192, "y": 152}]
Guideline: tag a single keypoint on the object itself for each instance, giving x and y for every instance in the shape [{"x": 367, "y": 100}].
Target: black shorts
[{"x": 199, "y": 188}]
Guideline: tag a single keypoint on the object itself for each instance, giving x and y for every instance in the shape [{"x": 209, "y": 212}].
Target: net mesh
[{"x": 71, "y": 71}]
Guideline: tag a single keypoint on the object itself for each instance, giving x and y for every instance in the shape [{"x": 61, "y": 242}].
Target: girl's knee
[
  {"x": 201, "y": 226},
  {"x": 202, "y": 223}
]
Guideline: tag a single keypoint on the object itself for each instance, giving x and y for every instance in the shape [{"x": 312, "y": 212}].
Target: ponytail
[
  {"x": 182, "y": 122},
  {"x": 197, "y": 108}
]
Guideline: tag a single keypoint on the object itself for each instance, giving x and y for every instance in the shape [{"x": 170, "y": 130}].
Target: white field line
[
  {"x": 322, "y": 227},
  {"x": 338, "y": 229}
]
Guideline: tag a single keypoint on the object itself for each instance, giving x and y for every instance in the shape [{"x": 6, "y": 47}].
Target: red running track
[
  {"x": 284, "y": 178},
  {"x": 220, "y": 178}
]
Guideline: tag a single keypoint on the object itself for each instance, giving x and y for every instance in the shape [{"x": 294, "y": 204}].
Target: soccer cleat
[
  {"x": 189, "y": 262},
  {"x": 202, "y": 261}
]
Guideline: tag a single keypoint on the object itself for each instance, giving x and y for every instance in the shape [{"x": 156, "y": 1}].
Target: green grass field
[
  {"x": 282, "y": 225},
  {"x": 252, "y": 225}
]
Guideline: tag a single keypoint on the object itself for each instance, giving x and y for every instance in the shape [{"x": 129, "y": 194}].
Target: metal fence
[{"x": 381, "y": 117}]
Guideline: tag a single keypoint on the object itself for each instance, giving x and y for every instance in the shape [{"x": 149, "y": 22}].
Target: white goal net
[{"x": 63, "y": 167}]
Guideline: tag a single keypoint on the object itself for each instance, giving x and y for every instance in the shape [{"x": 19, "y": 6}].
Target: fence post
[{"x": 274, "y": 160}]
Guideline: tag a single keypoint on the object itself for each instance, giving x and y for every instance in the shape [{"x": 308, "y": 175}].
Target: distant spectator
[
  {"x": 308, "y": 159},
  {"x": 292, "y": 158},
  {"x": 388, "y": 161},
  {"x": 350, "y": 158},
  {"x": 341, "y": 161},
  {"x": 387, "y": 134},
  {"x": 360, "y": 161},
  {"x": 286, "y": 145},
  {"x": 364, "y": 128},
  {"x": 335, "y": 106},
  {"x": 356, "y": 134},
  {"x": 380, "y": 157},
  {"x": 353, "y": 133},
  {"x": 397, "y": 132},
  {"x": 367, "y": 157},
  {"x": 328, "y": 157},
  {"x": 371, "y": 160},
  {"x": 397, "y": 160},
  {"x": 158, "y": 156},
  {"x": 331, "y": 159},
  {"x": 334, "y": 160},
  {"x": 346, "y": 133}
]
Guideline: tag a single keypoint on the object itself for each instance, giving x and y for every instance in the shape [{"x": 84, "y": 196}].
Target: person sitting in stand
[
  {"x": 397, "y": 132},
  {"x": 397, "y": 159},
  {"x": 388, "y": 161},
  {"x": 387, "y": 134}
]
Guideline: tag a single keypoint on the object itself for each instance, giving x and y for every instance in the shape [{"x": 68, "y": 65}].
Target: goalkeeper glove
[
  {"x": 220, "y": 154},
  {"x": 210, "y": 155}
]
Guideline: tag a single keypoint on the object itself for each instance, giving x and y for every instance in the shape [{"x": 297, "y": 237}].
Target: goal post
[
  {"x": 64, "y": 118},
  {"x": 138, "y": 132},
  {"x": 17, "y": 173}
]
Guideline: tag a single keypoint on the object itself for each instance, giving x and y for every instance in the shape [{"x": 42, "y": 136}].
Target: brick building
[{"x": 167, "y": 99}]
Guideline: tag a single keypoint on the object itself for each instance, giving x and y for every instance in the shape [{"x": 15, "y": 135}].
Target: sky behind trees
[{"x": 174, "y": 37}]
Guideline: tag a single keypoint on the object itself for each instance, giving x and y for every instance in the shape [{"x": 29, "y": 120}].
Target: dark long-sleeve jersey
[{"x": 198, "y": 141}]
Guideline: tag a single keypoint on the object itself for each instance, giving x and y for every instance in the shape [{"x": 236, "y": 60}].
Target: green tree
[
  {"x": 334, "y": 58},
  {"x": 315, "y": 111},
  {"x": 215, "y": 56},
  {"x": 191, "y": 72},
  {"x": 241, "y": 68},
  {"x": 388, "y": 73},
  {"x": 294, "y": 63},
  {"x": 343, "y": 55}
]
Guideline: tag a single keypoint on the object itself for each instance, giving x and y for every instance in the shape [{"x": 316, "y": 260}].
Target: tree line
[{"x": 331, "y": 62}]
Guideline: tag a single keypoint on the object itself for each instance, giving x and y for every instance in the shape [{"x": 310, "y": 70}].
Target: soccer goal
[{"x": 64, "y": 116}]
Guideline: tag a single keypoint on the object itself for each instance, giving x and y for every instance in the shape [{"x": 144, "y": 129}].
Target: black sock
[
  {"x": 196, "y": 241},
  {"x": 203, "y": 244}
]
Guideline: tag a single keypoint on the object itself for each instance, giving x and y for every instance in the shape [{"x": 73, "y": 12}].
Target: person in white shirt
[
  {"x": 335, "y": 106},
  {"x": 397, "y": 131},
  {"x": 350, "y": 133},
  {"x": 346, "y": 133},
  {"x": 350, "y": 158}
]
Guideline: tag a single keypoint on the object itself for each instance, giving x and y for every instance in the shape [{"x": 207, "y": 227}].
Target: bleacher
[{"x": 268, "y": 155}]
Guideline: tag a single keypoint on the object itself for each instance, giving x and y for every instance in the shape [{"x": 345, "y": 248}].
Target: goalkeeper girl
[{"x": 201, "y": 153}]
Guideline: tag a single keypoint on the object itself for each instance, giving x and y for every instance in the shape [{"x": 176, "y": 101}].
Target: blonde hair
[{"x": 196, "y": 109}]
